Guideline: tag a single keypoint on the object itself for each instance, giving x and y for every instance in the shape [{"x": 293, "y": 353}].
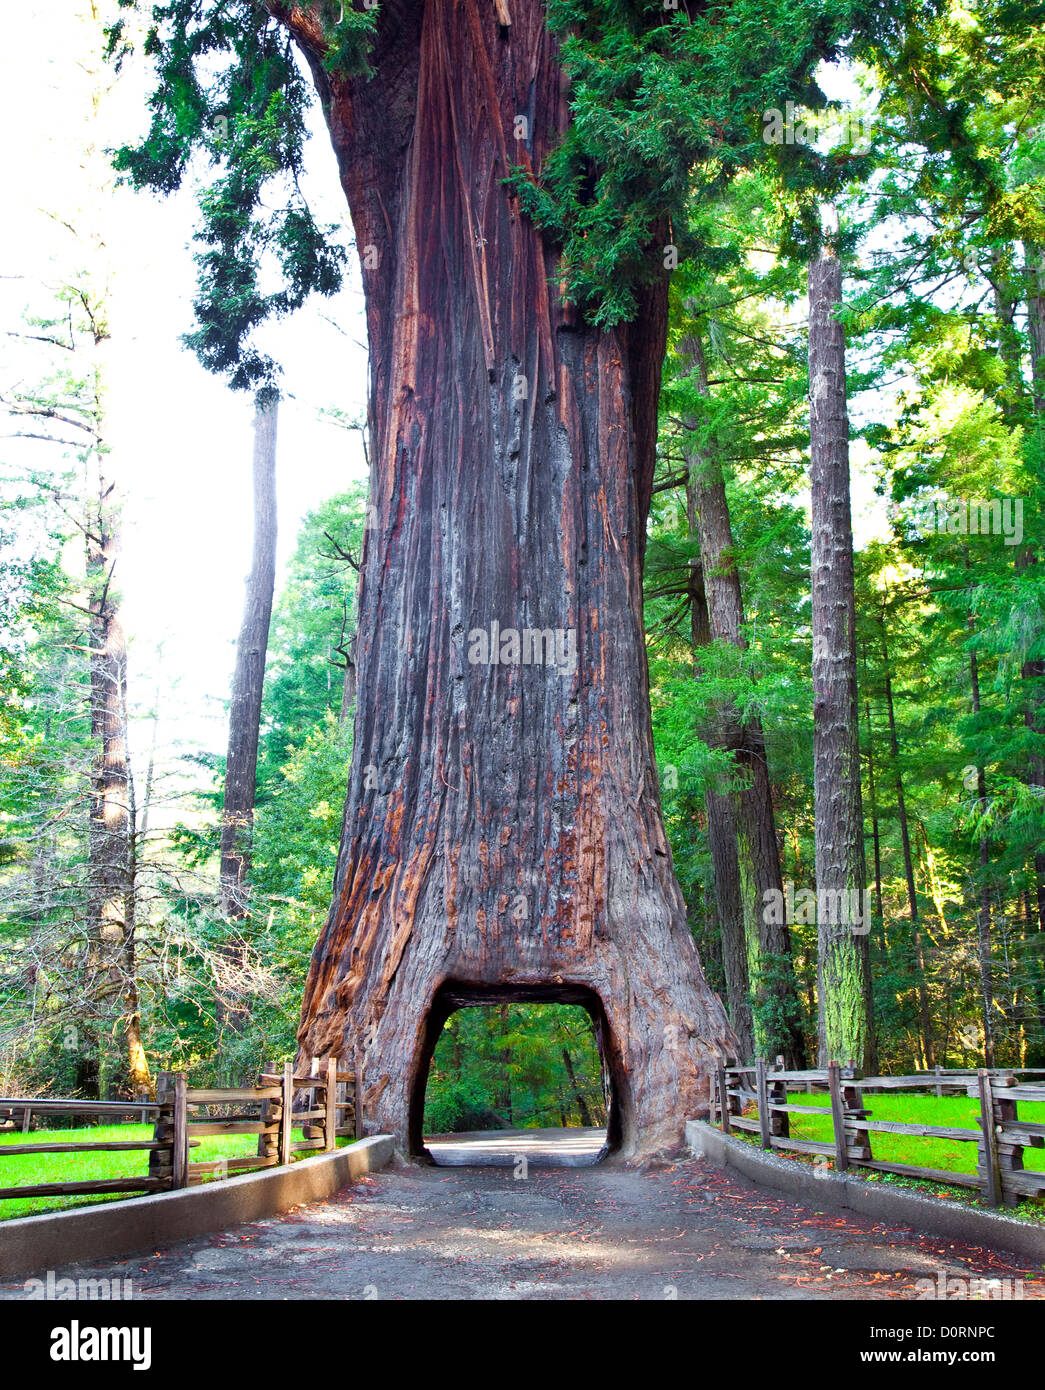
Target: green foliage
[
  {"x": 313, "y": 626},
  {"x": 666, "y": 108},
  {"x": 230, "y": 92},
  {"x": 31, "y": 585},
  {"x": 295, "y": 848},
  {"x": 504, "y": 1068}
]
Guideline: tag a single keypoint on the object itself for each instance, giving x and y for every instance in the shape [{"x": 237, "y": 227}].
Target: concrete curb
[
  {"x": 828, "y": 1189},
  {"x": 61, "y": 1238}
]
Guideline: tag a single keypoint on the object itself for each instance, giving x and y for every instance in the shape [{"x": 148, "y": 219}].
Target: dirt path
[{"x": 687, "y": 1231}]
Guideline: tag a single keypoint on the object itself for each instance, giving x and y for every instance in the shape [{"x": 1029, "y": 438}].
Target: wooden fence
[
  {"x": 266, "y": 1110},
  {"x": 1000, "y": 1137},
  {"x": 96, "y": 1109},
  {"x": 20, "y": 1112}
]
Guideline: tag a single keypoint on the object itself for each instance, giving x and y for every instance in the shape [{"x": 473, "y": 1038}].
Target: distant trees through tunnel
[{"x": 515, "y": 1066}]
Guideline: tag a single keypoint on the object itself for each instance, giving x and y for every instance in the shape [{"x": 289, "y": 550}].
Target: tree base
[{"x": 657, "y": 1065}]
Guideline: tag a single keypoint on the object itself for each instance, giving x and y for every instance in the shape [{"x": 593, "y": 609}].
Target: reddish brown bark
[{"x": 502, "y": 831}]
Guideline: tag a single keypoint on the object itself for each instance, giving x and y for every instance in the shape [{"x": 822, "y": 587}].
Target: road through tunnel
[{"x": 512, "y": 1072}]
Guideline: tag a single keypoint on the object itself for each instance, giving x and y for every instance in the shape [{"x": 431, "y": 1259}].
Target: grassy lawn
[
  {"x": 957, "y": 1112},
  {"x": 31, "y": 1169}
]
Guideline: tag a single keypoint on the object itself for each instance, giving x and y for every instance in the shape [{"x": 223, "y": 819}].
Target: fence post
[
  {"x": 779, "y": 1120},
  {"x": 939, "y": 1072},
  {"x": 834, "y": 1084},
  {"x": 330, "y": 1123},
  {"x": 266, "y": 1147},
  {"x": 161, "y": 1161},
  {"x": 286, "y": 1124},
  {"x": 763, "y": 1101},
  {"x": 180, "y": 1135},
  {"x": 989, "y": 1141},
  {"x": 359, "y": 1091},
  {"x": 723, "y": 1100}
]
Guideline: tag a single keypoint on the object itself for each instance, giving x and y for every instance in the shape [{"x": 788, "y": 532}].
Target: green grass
[
  {"x": 31, "y": 1169},
  {"x": 956, "y": 1112}
]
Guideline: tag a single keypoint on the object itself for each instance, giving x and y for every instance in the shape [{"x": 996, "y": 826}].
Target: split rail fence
[
  {"x": 326, "y": 1111},
  {"x": 1000, "y": 1137}
]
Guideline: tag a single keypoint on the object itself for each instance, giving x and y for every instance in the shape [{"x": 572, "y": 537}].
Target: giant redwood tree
[
  {"x": 515, "y": 180},
  {"x": 502, "y": 831}
]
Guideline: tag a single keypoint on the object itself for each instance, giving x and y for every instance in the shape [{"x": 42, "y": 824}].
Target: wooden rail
[
  {"x": 98, "y": 1109},
  {"x": 48, "y": 1105},
  {"x": 1000, "y": 1136},
  {"x": 266, "y": 1109}
]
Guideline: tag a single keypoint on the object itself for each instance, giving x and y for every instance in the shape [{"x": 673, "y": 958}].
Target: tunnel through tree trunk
[{"x": 456, "y": 994}]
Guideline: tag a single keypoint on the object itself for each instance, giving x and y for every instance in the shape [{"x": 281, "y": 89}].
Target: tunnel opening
[{"x": 512, "y": 1073}]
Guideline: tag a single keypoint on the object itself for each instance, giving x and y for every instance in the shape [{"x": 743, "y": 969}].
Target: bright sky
[{"x": 182, "y": 440}]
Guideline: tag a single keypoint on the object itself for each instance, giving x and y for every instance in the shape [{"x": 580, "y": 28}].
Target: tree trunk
[
  {"x": 924, "y": 1010},
  {"x": 983, "y": 915},
  {"x": 721, "y": 809},
  {"x": 502, "y": 833},
  {"x": 111, "y": 984},
  {"x": 1033, "y": 672},
  {"x": 875, "y": 832},
  {"x": 843, "y": 974},
  {"x": 1036, "y": 973},
  {"x": 1034, "y": 260},
  {"x": 241, "y": 765},
  {"x": 775, "y": 1008},
  {"x": 1007, "y": 339},
  {"x": 578, "y": 1094}
]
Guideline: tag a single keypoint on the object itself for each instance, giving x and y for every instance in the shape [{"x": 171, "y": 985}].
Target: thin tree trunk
[
  {"x": 1007, "y": 338},
  {"x": 875, "y": 833},
  {"x": 111, "y": 982},
  {"x": 770, "y": 966},
  {"x": 721, "y": 811},
  {"x": 1032, "y": 673},
  {"x": 237, "y": 817},
  {"x": 503, "y": 828},
  {"x": 506, "y": 1062},
  {"x": 1034, "y": 261},
  {"x": 983, "y": 915},
  {"x": 582, "y": 1104},
  {"x": 924, "y": 1008},
  {"x": 844, "y": 982},
  {"x": 1036, "y": 972}
]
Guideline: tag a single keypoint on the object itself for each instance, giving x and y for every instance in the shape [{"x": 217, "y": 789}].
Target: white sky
[{"x": 181, "y": 439}]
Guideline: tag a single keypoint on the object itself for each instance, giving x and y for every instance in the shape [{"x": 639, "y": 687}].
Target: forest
[{"x": 814, "y": 235}]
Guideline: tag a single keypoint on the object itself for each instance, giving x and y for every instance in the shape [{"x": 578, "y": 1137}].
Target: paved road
[
  {"x": 686, "y": 1231},
  {"x": 503, "y": 1148}
]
